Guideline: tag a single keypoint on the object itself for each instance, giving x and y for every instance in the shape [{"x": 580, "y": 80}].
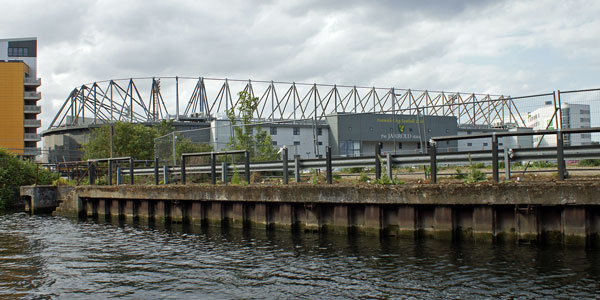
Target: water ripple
[{"x": 48, "y": 257}]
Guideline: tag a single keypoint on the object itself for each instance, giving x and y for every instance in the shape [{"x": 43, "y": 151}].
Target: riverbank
[{"x": 558, "y": 212}]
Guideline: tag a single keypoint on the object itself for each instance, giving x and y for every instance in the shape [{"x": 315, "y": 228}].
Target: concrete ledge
[{"x": 534, "y": 193}]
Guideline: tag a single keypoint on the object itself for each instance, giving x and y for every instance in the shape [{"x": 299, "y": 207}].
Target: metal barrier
[
  {"x": 560, "y": 158},
  {"x": 213, "y": 167}
]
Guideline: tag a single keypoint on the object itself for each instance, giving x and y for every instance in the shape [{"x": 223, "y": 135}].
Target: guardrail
[
  {"x": 560, "y": 152},
  {"x": 389, "y": 160}
]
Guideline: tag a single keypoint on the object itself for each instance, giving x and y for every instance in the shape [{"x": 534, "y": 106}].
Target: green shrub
[
  {"x": 352, "y": 170},
  {"x": 475, "y": 175},
  {"x": 364, "y": 177},
  {"x": 15, "y": 173},
  {"x": 589, "y": 163},
  {"x": 235, "y": 179},
  {"x": 460, "y": 174}
]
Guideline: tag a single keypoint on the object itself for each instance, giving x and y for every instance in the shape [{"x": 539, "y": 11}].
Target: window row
[
  {"x": 273, "y": 131},
  {"x": 18, "y": 51}
]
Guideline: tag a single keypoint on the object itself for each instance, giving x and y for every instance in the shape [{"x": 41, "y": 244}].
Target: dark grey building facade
[{"x": 357, "y": 134}]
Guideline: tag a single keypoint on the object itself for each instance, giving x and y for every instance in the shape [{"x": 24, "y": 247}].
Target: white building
[
  {"x": 512, "y": 142},
  {"x": 301, "y": 137},
  {"x": 573, "y": 116}
]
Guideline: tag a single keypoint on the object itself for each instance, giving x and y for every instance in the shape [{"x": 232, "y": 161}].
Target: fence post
[
  {"x": 506, "y": 164},
  {"x": 433, "y": 161},
  {"x": 156, "y": 181},
  {"x": 110, "y": 168},
  {"x": 224, "y": 172},
  {"x": 388, "y": 165},
  {"x": 92, "y": 173},
  {"x": 166, "y": 174},
  {"x": 119, "y": 176},
  {"x": 213, "y": 169},
  {"x": 377, "y": 161},
  {"x": 183, "y": 170},
  {"x": 247, "y": 165},
  {"x": 328, "y": 165},
  {"x": 297, "y": 168},
  {"x": 560, "y": 159},
  {"x": 131, "y": 170},
  {"x": 495, "y": 171},
  {"x": 284, "y": 159}
]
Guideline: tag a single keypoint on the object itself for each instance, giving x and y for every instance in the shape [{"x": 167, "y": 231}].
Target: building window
[
  {"x": 585, "y": 120},
  {"x": 419, "y": 146},
  {"x": 296, "y": 143},
  {"x": 274, "y": 143},
  {"x": 296, "y": 130},
  {"x": 469, "y": 144},
  {"x": 320, "y": 143},
  {"x": 350, "y": 148},
  {"x": 273, "y": 130},
  {"x": 485, "y": 144},
  {"x": 500, "y": 144},
  {"x": 18, "y": 51},
  {"x": 399, "y": 145},
  {"x": 319, "y": 131}
]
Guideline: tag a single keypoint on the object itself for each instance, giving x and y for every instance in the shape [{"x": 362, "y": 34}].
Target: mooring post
[
  {"x": 110, "y": 168},
  {"x": 328, "y": 165},
  {"x": 224, "y": 172},
  {"x": 284, "y": 159},
  {"x": 166, "y": 174},
  {"x": 156, "y": 180},
  {"x": 433, "y": 161},
  {"x": 131, "y": 162},
  {"x": 495, "y": 171},
  {"x": 183, "y": 170},
  {"x": 506, "y": 164},
  {"x": 297, "y": 168},
  {"x": 91, "y": 173},
  {"x": 378, "y": 161},
  {"x": 247, "y": 165},
  {"x": 388, "y": 165},
  {"x": 213, "y": 169},
  {"x": 560, "y": 158}
]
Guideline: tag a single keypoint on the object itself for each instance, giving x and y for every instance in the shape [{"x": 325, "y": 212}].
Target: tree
[
  {"x": 129, "y": 139},
  {"x": 138, "y": 141},
  {"x": 15, "y": 173},
  {"x": 259, "y": 143}
]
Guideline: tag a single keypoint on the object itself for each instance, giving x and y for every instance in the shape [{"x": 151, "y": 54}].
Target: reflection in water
[{"x": 48, "y": 257}]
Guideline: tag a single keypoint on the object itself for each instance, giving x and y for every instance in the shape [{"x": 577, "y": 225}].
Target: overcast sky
[{"x": 500, "y": 47}]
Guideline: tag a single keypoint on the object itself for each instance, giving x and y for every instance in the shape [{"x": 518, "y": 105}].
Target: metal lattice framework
[{"x": 123, "y": 100}]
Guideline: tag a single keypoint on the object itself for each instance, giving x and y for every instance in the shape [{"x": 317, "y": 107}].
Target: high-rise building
[
  {"x": 573, "y": 116},
  {"x": 19, "y": 98}
]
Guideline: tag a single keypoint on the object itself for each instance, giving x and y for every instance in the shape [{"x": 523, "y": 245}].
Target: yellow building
[{"x": 18, "y": 97}]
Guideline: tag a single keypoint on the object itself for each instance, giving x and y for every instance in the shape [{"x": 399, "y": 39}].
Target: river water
[{"x": 44, "y": 257}]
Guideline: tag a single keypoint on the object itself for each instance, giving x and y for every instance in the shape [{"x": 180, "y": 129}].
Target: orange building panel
[{"x": 12, "y": 131}]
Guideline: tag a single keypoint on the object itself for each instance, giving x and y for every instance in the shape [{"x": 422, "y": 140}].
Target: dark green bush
[{"x": 15, "y": 173}]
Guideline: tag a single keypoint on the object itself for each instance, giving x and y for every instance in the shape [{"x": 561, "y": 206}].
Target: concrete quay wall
[{"x": 557, "y": 212}]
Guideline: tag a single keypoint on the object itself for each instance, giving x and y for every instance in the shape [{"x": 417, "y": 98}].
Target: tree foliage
[
  {"x": 248, "y": 136},
  {"x": 136, "y": 140},
  {"x": 15, "y": 173}
]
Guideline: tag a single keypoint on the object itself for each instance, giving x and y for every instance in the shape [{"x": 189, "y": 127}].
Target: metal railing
[
  {"x": 559, "y": 154},
  {"x": 32, "y": 95},
  {"x": 376, "y": 162},
  {"x": 33, "y": 81},
  {"x": 32, "y": 109},
  {"x": 31, "y": 122}
]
